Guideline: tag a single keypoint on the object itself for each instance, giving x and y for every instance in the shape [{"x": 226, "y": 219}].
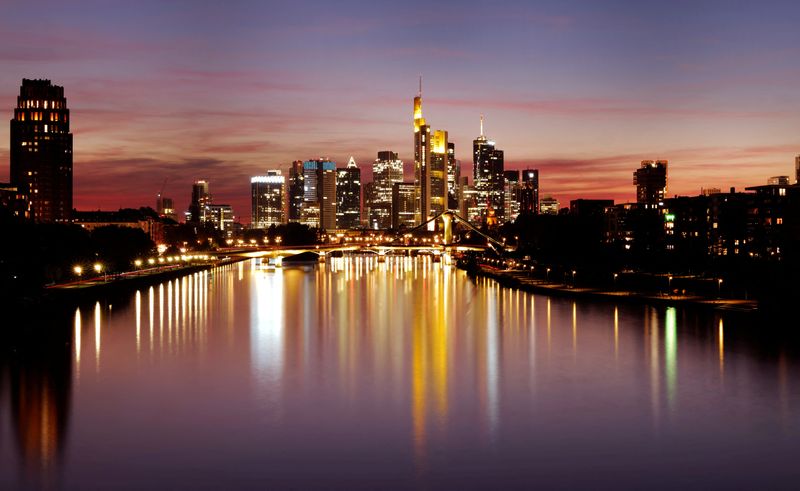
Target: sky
[{"x": 163, "y": 93}]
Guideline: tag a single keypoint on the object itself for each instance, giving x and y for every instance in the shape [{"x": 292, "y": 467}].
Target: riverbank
[
  {"x": 113, "y": 285},
  {"x": 524, "y": 281}
]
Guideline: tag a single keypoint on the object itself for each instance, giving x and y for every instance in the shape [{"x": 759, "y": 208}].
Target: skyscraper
[
  {"x": 387, "y": 170},
  {"x": 41, "y": 150},
  {"x": 296, "y": 191},
  {"x": 529, "y": 194},
  {"x": 404, "y": 205},
  {"x": 511, "y": 194},
  {"x": 453, "y": 178},
  {"x": 422, "y": 152},
  {"x": 319, "y": 197},
  {"x": 267, "y": 193},
  {"x": 797, "y": 170},
  {"x": 439, "y": 163},
  {"x": 488, "y": 175},
  {"x": 651, "y": 183},
  {"x": 348, "y": 196},
  {"x": 549, "y": 206},
  {"x": 201, "y": 200}
]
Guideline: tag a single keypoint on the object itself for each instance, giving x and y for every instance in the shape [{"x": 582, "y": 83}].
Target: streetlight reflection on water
[{"x": 362, "y": 355}]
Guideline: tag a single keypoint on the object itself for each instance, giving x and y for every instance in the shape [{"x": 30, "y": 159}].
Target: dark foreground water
[{"x": 404, "y": 374}]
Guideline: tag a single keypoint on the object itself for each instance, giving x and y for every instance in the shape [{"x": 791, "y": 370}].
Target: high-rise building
[
  {"x": 422, "y": 154},
  {"x": 797, "y": 170},
  {"x": 488, "y": 175},
  {"x": 512, "y": 194},
  {"x": 387, "y": 170},
  {"x": 529, "y": 194},
  {"x": 453, "y": 178},
  {"x": 319, "y": 197},
  {"x": 201, "y": 199},
  {"x": 267, "y": 193},
  {"x": 41, "y": 150},
  {"x": 439, "y": 163},
  {"x": 296, "y": 191},
  {"x": 348, "y": 196},
  {"x": 651, "y": 183},
  {"x": 404, "y": 205},
  {"x": 548, "y": 206}
]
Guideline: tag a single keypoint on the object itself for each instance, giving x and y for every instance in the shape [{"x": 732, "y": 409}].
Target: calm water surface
[{"x": 405, "y": 374}]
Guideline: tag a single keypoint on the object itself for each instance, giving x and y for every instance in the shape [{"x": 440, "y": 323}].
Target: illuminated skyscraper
[
  {"x": 512, "y": 194},
  {"x": 422, "y": 153},
  {"x": 549, "y": 206},
  {"x": 319, "y": 197},
  {"x": 439, "y": 163},
  {"x": 296, "y": 191},
  {"x": 651, "y": 183},
  {"x": 348, "y": 196},
  {"x": 488, "y": 175},
  {"x": 387, "y": 170},
  {"x": 201, "y": 200},
  {"x": 403, "y": 205},
  {"x": 41, "y": 150},
  {"x": 267, "y": 194},
  {"x": 453, "y": 178}
]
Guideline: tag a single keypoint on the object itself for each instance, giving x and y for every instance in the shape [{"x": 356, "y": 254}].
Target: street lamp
[
  {"x": 137, "y": 263},
  {"x": 615, "y": 280},
  {"x": 99, "y": 269},
  {"x": 78, "y": 271},
  {"x": 573, "y": 278},
  {"x": 719, "y": 287},
  {"x": 669, "y": 285},
  {"x": 547, "y": 276}
]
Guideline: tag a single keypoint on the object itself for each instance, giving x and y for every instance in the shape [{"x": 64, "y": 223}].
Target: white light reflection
[{"x": 267, "y": 334}]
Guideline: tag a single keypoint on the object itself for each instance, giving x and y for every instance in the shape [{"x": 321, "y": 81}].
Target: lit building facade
[
  {"x": 348, "y": 196},
  {"x": 165, "y": 207},
  {"x": 221, "y": 218},
  {"x": 41, "y": 151},
  {"x": 453, "y": 178},
  {"x": 797, "y": 170},
  {"x": 439, "y": 163},
  {"x": 387, "y": 170},
  {"x": 488, "y": 176},
  {"x": 319, "y": 194},
  {"x": 267, "y": 194},
  {"x": 651, "y": 183},
  {"x": 511, "y": 195},
  {"x": 404, "y": 205},
  {"x": 201, "y": 199},
  {"x": 422, "y": 154},
  {"x": 548, "y": 206}
]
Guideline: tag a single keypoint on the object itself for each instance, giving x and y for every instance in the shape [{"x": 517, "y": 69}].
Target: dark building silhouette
[
  {"x": 295, "y": 193},
  {"x": 529, "y": 194},
  {"x": 651, "y": 183},
  {"x": 201, "y": 200},
  {"x": 589, "y": 207},
  {"x": 348, "y": 196},
  {"x": 41, "y": 150}
]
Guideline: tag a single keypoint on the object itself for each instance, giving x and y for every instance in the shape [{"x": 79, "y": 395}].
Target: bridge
[{"x": 403, "y": 241}]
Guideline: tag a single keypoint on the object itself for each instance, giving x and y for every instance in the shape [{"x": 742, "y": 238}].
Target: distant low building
[
  {"x": 548, "y": 206},
  {"x": 403, "y": 205},
  {"x": 129, "y": 218},
  {"x": 589, "y": 207},
  {"x": 15, "y": 201}
]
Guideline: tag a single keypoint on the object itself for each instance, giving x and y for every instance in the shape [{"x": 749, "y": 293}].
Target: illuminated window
[
  {"x": 782, "y": 192},
  {"x": 779, "y": 221}
]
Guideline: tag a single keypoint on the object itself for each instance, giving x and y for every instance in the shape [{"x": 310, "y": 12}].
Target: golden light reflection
[
  {"x": 138, "y": 302},
  {"x": 721, "y": 342},
  {"x": 616, "y": 333},
  {"x": 77, "y": 341},
  {"x": 97, "y": 335},
  {"x": 574, "y": 328}
]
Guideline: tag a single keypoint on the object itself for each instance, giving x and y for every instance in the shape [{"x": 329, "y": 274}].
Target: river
[{"x": 404, "y": 374}]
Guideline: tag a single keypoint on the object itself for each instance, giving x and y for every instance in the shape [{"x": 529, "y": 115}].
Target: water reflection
[{"x": 405, "y": 364}]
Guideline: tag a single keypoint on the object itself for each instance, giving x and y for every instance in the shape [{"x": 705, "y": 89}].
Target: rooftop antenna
[
  {"x": 481, "y": 125},
  {"x": 420, "y": 85}
]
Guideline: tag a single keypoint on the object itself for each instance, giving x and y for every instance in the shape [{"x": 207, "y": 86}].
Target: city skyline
[{"x": 586, "y": 93}]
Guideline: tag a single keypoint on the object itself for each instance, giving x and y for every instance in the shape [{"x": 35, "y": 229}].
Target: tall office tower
[
  {"x": 439, "y": 163},
  {"x": 797, "y": 170},
  {"x": 548, "y": 206},
  {"x": 404, "y": 195},
  {"x": 469, "y": 208},
  {"x": 348, "y": 196},
  {"x": 453, "y": 178},
  {"x": 267, "y": 194},
  {"x": 488, "y": 175},
  {"x": 296, "y": 191},
  {"x": 511, "y": 194},
  {"x": 319, "y": 198},
  {"x": 651, "y": 183},
  {"x": 422, "y": 152},
  {"x": 387, "y": 170},
  {"x": 201, "y": 200},
  {"x": 529, "y": 194},
  {"x": 41, "y": 150}
]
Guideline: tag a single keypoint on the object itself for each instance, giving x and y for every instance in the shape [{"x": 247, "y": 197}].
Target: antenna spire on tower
[
  {"x": 420, "y": 85},
  {"x": 481, "y": 125}
]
